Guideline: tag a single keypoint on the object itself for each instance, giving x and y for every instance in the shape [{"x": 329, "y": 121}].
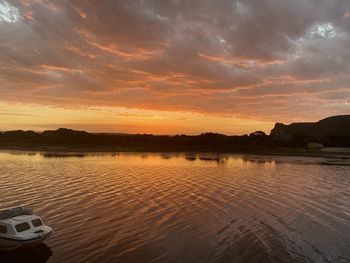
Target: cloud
[
  {"x": 15, "y": 114},
  {"x": 266, "y": 59}
]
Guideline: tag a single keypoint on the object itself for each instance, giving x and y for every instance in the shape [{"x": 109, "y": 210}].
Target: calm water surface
[{"x": 179, "y": 208}]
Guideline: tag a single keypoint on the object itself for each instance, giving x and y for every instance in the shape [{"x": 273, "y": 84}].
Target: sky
[{"x": 172, "y": 66}]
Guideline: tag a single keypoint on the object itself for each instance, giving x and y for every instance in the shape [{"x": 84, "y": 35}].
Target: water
[{"x": 179, "y": 208}]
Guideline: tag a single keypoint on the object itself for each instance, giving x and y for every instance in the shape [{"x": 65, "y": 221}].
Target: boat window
[
  {"x": 37, "y": 222},
  {"x": 3, "y": 229},
  {"x": 22, "y": 227}
]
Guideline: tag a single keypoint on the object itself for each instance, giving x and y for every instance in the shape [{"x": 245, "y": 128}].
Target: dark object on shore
[{"x": 258, "y": 133}]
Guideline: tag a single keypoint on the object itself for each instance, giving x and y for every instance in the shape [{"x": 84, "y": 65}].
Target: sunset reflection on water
[{"x": 183, "y": 207}]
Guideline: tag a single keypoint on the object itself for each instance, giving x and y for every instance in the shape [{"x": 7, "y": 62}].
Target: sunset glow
[
  {"x": 172, "y": 67},
  {"x": 121, "y": 120}
]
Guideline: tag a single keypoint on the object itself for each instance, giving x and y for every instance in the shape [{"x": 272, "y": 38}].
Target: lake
[{"x": 139, "y": 207}]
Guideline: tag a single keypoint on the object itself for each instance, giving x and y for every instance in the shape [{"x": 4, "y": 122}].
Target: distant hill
[{"x": 332, "y": 130}]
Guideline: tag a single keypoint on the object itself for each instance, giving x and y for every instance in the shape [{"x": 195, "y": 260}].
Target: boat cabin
[{"x": 19, "y": 226}]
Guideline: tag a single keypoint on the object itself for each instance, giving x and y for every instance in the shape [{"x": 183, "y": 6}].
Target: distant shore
[{"x": 258, "y": 143}]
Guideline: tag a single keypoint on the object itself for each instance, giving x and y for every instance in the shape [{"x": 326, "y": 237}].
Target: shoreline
[
  {"x": 71, "y": 151},
  {"x": 282, "y": 155}
]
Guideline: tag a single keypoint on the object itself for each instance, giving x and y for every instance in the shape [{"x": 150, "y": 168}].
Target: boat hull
[{"x": 11, "y": 244}]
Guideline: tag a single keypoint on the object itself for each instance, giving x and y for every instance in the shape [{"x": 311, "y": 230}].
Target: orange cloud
[{"x": 266, "y": 63}]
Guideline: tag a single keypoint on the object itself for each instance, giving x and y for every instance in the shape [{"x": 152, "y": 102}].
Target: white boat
[{"x": 19, "y": 227}]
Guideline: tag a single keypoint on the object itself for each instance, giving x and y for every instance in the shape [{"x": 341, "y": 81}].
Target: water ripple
[{"x": 181, "y": 208}]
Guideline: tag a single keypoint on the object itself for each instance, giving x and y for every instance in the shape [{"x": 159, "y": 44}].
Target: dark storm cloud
[{"x": 255, "y": 58}]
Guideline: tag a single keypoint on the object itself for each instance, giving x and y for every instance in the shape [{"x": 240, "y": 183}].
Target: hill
[{"x": 332, "y": 131}]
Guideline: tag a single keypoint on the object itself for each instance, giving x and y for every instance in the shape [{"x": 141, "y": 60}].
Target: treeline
[
  {"x": 144, "y": 142},
  {"x": 77, "y": 139}
]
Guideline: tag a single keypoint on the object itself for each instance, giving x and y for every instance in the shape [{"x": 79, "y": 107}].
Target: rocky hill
[{"x": 328, "y": 129}]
